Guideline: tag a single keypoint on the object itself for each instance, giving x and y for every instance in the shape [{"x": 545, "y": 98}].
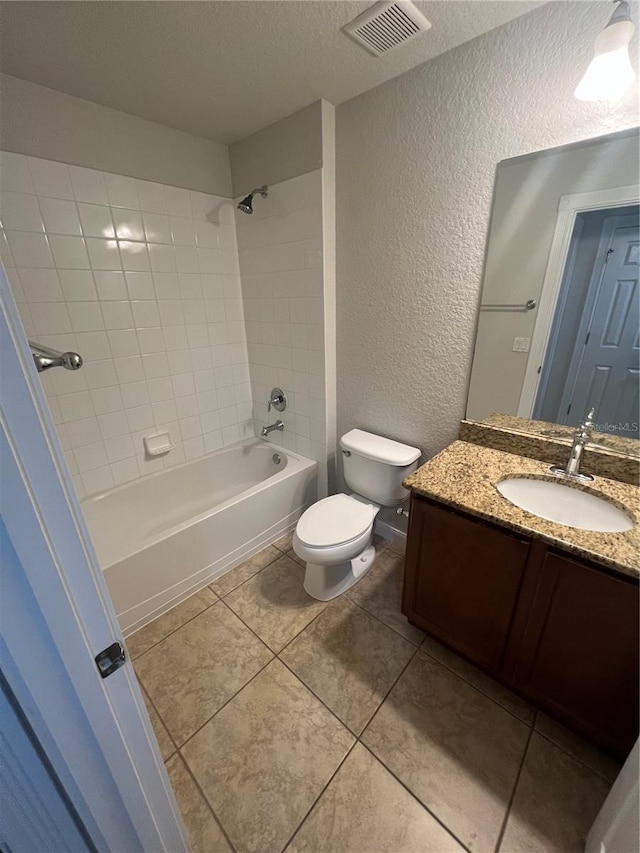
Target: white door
[
  {"x": 604, "y": 372},
  {"x": 617, "y": 827},
  {"x": 93, "y": 734}
]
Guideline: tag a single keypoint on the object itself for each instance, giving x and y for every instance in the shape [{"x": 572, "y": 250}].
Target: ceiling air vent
[{"x": 387, "y": 25}]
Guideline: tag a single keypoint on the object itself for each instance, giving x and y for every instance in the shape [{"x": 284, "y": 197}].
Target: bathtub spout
[{"x": 267, "y": 429}]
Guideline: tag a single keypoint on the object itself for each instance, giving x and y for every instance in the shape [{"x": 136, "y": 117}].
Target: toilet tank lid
[{"x": 378, "y": 448}]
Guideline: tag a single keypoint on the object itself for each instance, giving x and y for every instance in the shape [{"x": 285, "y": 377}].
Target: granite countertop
[
  {"x": 606, "y": 441},
  {"x": 465, "y": 475}
]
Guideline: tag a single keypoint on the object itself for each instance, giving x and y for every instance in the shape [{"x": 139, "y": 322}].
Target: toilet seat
[{"x": 334, "y": 521}]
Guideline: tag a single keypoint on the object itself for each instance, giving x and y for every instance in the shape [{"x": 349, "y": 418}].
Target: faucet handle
[
  {"x": 589, "y": 423},
  {"x": 277, "y": 400}
]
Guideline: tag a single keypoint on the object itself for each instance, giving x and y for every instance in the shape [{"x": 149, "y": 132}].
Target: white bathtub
[{"x": 161, "y": 538}]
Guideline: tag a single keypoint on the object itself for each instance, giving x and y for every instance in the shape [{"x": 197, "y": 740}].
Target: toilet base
[{"x": 330, "y": 581}]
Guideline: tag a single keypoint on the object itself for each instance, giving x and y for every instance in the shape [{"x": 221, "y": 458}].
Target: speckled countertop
[{"x": 465, "y": 475}]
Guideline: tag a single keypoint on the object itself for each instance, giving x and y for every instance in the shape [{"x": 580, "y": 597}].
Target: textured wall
[
  {"x": 142, "y": 280},
  {"x": 48, "y": 124},
  {"x": 416, "y": 161}
]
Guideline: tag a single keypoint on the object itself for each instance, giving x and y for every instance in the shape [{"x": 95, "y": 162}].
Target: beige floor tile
[
  {"x": 194, "y": 671},
  {"x": 349, "y": 660},
  {"x": 244, "y": 571},
  {"x": 285, "y": 543},
  {"x": 580, "y": 749},
  {"x": 265, "y": 758},
  {"x": 365, "y": 809},
  {"x": 167, "y": 746},
  {"x": 556, "y": 802},
  {"x": 164, "y": 625},
  {"x": 454, "y": 748},
  {"x": 293, "y": 556},
  {"x": 274, "y": 603},
  {"x": 380, "y": 592},
  {"x": 204, "y": 833},
  {"x": 502, "y": 695}
]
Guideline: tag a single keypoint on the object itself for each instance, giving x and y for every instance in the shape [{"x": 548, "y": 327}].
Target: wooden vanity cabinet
[
  {"x": 461, "y": 581},
  {"x": 561, "y": 632}
]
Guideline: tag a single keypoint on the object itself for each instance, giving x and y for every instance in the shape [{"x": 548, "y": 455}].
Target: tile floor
[{"x": 288, "y": 723}]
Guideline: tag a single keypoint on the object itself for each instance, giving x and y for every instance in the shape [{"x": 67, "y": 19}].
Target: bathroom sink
[{"x": 565, "y": 504}]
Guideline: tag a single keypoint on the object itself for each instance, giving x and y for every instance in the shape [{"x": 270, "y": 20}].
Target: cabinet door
[
  {"x": 461, "y": 581},
  {"x": 579, "y": 655}
]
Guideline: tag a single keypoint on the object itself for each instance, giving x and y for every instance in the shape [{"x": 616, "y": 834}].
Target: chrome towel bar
[
  {"x": 529, "y": 305},
  {"x": 46, "y": 357}
]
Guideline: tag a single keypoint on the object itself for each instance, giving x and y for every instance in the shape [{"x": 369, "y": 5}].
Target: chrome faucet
[
  {"x": 581, "y": 437},
  {"x": 267, "y": 429}
]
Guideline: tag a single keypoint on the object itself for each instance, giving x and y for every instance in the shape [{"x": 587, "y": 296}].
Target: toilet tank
[{"x": 375, "y": 467}]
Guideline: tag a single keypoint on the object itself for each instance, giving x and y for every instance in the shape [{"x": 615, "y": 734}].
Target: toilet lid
[{"x": 334, "y": 521}]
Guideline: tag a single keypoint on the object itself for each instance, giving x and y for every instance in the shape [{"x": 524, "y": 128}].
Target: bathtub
[{"x": 163, "y": 537}]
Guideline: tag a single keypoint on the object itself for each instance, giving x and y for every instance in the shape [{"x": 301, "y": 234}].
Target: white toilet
[{"x": 335, "y": 535}]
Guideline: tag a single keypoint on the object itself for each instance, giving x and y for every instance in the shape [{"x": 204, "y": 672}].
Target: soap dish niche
[{"x": 158, "y": 444}]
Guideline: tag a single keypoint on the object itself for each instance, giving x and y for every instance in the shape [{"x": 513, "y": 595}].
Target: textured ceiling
[{"x": 221, "y": 70}]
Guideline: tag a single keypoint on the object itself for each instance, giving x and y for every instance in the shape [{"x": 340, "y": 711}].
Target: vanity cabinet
[{"x": 561, "y": 632}]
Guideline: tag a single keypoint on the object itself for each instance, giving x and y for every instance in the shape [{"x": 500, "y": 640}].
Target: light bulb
[{"x": 610, "y": 73}]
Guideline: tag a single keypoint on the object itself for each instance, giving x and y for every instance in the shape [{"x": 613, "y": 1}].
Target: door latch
[{"x": 110, "y": 659}]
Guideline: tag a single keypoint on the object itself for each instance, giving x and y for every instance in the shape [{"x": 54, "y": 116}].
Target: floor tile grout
[
  {"x": 476, "y": 688},
  {"x": 382, "y": 622},
  {"x": 246, "y": 580},
  {"x": 415, "y": 797},
  {"x": 186, "y": 622},
  {"x": 153, "y": 705},
  {"x": 206, "y": 800},
  {"x": 319, "y": 797},
  {"x": 505, "y": 821},
  {"x": 224, "y": 704},
  {"x": 276, "y": 655}
]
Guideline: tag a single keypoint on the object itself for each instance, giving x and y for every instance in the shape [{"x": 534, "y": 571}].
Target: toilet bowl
[{"x": 335, "y": 536}]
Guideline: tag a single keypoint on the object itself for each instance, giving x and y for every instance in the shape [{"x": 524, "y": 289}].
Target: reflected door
[{"x": 604, "y": 372}]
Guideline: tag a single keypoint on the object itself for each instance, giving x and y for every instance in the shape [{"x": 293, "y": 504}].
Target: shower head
[{"x": 246, "y": 205}]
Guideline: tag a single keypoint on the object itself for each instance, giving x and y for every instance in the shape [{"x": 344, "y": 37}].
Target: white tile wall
[
  {"x": 143, "y": 281},
  {"x": 280, "y": 248}
]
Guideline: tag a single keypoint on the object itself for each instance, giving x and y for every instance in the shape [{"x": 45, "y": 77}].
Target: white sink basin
[{"x": 565, "y": 505}]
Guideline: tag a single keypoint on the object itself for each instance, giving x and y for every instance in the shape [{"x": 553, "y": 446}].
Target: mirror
[{"x": 559, "y": 317}]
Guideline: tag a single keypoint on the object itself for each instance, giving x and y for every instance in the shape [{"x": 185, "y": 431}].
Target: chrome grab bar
[{"x": 46, "y": 357}]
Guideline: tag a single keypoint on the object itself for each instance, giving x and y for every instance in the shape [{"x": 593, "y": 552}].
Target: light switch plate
[{"x": 521, "y": 344}]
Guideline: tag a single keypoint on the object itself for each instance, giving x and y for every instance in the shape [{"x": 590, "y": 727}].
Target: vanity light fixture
[{"x": 610, "y": 73}]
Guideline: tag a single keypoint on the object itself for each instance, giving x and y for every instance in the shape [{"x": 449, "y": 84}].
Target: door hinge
[
  {"x": 586, "y": 340},
  {"x": 110, "y": 659},
  {"x": 569, "y": 407},
  {"x": 539, "y": 369},
  {"x": 606, "y": 257}
]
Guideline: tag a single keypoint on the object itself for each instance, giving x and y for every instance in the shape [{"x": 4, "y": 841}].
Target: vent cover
[{"x": 387, "y": 25}]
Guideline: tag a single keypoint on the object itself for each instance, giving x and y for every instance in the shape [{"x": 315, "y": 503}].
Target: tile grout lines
[
  {"x": 505, "y": 820},
  {"x": 357, "y": 738},
  {"x": 275, "y": 655}
]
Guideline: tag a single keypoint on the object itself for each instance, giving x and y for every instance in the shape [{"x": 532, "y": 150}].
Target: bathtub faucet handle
[{"x": 277, "y": 400}]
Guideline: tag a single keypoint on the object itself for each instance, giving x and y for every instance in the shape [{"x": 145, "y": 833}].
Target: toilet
[{"x": 335, "y": 535}]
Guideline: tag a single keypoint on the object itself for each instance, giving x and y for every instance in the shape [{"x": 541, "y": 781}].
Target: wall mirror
[{"x": 559, "y": 318}]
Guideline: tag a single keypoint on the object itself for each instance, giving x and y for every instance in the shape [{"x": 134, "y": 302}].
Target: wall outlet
[{"x": 521, "y": 344}]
